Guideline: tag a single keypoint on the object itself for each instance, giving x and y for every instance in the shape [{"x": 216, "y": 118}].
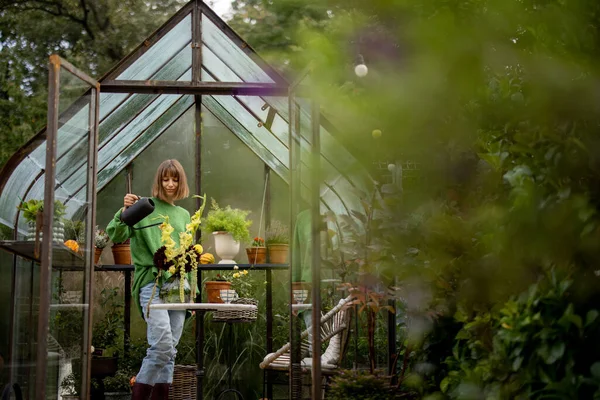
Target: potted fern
[{"x": 229, "y": 227}]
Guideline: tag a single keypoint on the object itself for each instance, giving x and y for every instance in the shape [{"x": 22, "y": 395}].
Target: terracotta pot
[
  {"x": 122, "y": 253},
  {"x": 257, "y": 255},
  {"x": 97, "y": 253},
  {"x": 278, "y": 253},
  {"x": 213, "y": 289}
]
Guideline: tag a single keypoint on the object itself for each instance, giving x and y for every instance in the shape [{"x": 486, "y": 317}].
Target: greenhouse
[{"x": 196, "y": 92}]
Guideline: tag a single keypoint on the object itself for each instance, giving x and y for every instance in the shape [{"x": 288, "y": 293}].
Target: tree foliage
[{"x": 93, "y": 35}]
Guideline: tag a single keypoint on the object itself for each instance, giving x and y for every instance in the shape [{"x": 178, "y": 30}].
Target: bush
[{"x": 360, "y": 385}]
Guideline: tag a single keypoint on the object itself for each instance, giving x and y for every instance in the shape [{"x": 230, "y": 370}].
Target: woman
[{"x": 164, "y": 327}]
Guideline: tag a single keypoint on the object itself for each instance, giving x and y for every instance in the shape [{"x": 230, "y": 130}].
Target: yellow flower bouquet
[{"x": 175, "y": 262}]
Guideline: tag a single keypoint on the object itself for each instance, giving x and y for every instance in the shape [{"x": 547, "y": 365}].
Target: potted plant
[
  {"x": 122, "y": 253},
  {"x": 241, "y": 284},
  {"x": 213, "y": 288},
  {"x": 229, "y": 227},
  {"x": 257, "y": 252},
  {"x": 69, "y": 386},
  {"x": 100, "y": 242},
  {"x": 278, "y": 239},
  {"x": 33, "y": 213},
  {"x": 118, "y": 387},
  {"x": 106, "y": 331}
]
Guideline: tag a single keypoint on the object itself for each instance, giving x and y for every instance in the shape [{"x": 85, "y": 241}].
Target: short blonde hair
[{"x": 170, "y": 168}]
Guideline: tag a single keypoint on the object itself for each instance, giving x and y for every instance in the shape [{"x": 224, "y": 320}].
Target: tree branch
[{"x": 47, "y": 7}]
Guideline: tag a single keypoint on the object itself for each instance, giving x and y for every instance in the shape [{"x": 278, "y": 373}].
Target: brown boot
[
  {"x": 161, "y": 391},
  {"x": 141, "y": 391}
]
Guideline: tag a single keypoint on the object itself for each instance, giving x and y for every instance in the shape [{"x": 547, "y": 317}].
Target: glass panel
[
  {"x": 173, "y": 70},
  {"x": 15, "y": 189},
  {"x": 119, "y": 119},
  {"x": 139, "y": 140},
  {"x": 142, "y": 133},
  {"x": 67, "y": 335},
  {"x": 179, "y": 138},
  {"x": 68, "y": 341},
  {"x": 233, "y": 175},
  {"x": 24, "y": 324},
  {"x": 231, "y": 54},
  {"x": 275, "y": 157},
  {"x": 245, "y": 175},
  {"x": 169, "y": 45}
]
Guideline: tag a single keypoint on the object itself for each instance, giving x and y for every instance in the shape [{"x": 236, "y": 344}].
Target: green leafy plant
[
  {"x": 75, "y": 230},
  {"x": 527, "y": 349},
  {"x": 277, "y": 233},
  {"x": 119, "y": 382},
  {"x": 71, "y": 383},
  {"x": 357, "y": 384},
  {"x": 232, "y": 220},
  {"x": 106, "y": 331},
  {"x": 32, "y": 207},
  {"x": 240, "y": 281}
]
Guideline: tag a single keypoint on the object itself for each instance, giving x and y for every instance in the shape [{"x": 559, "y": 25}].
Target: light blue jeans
[{"x": 163, "y": 334}]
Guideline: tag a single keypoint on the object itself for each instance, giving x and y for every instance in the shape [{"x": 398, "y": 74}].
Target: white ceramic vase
[{"x": 226, "y": 247}]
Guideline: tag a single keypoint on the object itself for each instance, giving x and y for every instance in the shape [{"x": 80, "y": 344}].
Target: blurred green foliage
[
  {"x": 493, "y": 247},
  {"x": 495, "y": 102}
]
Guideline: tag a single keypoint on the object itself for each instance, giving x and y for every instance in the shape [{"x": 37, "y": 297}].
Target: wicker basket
[
  {"x": 184, "y": 383},
  {"x": 237, "y": 315}
]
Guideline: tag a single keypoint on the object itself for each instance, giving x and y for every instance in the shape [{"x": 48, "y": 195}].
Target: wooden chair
[{"x": 334, "y": 328}]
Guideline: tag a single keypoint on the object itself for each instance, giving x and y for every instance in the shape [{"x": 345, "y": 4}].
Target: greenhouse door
[{"x": 64, "y": 321}]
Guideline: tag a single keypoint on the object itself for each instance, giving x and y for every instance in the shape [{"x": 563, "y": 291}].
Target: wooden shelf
[{"x": 62, "y": 256}]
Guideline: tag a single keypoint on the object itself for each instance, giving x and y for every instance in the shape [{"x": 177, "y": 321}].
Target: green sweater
[
  {"x": 302, "y": 251},
  {"x": 145, "y": 242}
]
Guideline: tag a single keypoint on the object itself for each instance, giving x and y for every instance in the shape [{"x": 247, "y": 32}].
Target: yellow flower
[
  {"x": 172, "y": 269},
  {"x": 236, "y": 274},
  {"x": 198, "y": 248},
  {"x": 245, "y": 272},
  {"x": 170, "y": 253},
  {"x": 193, "y": 226},
  {"x": 236, "y": 267},
  {"x": 185, "y": 239}
]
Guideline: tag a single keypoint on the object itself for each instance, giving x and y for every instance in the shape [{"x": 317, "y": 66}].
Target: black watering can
[{"x": 137, "y": 212}]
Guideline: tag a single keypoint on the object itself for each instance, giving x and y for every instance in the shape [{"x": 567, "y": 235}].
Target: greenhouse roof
[{"x": 130, "y": 122}]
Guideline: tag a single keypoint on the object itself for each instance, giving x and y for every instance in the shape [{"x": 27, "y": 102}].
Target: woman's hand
[{"x": 129, "y": 200}]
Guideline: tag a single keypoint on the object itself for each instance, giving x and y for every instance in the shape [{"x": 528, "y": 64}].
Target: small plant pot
[
  {"x": 278, "y": 253},
  {"x": 122, "y": 253},
  {"x": 213, "y": 290},
  {"x": 257, "y": 255},
  {"x": 97, "y": 253}
]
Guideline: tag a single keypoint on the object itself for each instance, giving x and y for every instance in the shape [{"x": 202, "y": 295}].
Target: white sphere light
[{"x": 361, "y": 70}]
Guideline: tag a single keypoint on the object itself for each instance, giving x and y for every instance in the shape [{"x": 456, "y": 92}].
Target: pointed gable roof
[{"x": 130, "y": 122}]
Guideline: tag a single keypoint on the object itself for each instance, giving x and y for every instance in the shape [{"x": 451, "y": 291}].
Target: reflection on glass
[{"x": 228, "y": 295}]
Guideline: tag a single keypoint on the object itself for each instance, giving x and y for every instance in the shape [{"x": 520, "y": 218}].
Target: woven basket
[
  {"x": 237, "y": 315},
  {"x": 184, "y": 383}
]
